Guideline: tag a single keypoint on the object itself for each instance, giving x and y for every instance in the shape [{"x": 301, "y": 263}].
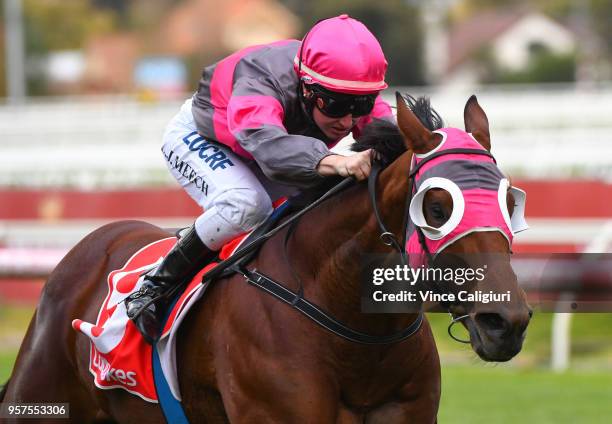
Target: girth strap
[{"x": 313, "y": 312}]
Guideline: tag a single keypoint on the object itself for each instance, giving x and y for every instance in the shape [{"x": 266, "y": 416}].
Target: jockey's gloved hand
[{"x": 357, "y": 165}]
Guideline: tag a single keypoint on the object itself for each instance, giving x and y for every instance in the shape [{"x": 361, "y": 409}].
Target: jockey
[{"x": 260, "y": 125}]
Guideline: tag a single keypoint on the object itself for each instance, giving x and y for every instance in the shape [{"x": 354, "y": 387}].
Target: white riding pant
[{"x": 232, "y": 191}]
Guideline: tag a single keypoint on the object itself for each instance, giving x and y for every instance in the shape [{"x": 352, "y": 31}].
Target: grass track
[
  {"x": 6, "y": 365},
  {"x": 472, "y": 391},
  {"x": 506, "y": 395}
]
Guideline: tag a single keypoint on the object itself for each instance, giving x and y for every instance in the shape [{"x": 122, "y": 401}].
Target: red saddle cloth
[{"x": 119, "y": 356}]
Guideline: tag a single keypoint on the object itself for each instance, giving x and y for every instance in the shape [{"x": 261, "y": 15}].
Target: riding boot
[{"x": 147, "y": 306}]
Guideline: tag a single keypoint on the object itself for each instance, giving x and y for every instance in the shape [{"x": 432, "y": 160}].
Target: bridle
[
  {"x": 238, "y": 261},
  {"x": 389, "y": 239}
]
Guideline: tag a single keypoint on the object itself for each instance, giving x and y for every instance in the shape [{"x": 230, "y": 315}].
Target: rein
[
  {"x": 386, "y": 236},
  {"x": 296, "y": 300},
  {"x": 240, "y": 253}
]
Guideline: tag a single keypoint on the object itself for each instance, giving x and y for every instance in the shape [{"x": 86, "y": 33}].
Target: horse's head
[{"x": 464, "y": 206}]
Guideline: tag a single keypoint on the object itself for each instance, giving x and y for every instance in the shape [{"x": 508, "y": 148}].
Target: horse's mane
[{"x": 385, "y": 137}]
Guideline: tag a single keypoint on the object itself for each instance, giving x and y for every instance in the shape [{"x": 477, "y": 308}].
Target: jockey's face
[
  {"x": 336, "y": 127},
  {"x": 333, "y": 128}
]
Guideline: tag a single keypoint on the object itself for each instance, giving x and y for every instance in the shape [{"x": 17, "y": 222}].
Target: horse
[{"x": 245, "y": 357}]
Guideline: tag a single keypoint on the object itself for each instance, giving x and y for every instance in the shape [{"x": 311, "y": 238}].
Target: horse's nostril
[
  {"x": 530, "y": 313},
  {"x": 492, "y": 322}
]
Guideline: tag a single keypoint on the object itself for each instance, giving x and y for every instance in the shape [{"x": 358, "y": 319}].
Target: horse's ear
[
  {"x": 416, "y": 137},
  {"x": 476, "y": 122}
]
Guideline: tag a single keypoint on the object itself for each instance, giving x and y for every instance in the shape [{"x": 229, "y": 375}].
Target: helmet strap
[{"x": 307, "y": 102}]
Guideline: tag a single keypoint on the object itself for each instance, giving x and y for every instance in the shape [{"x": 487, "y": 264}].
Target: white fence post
[
  {"x": 561, "y": 341},
  {"x": 561, "y": 323}
]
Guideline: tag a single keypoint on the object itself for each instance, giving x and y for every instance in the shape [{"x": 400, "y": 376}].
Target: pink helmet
[{"x": 342, "y": 55}]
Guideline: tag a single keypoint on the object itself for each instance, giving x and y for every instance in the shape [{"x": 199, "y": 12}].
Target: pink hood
[{"x": 478, "y": 189}]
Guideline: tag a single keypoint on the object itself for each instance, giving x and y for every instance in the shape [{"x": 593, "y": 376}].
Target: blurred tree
[
  {"x": 544, "y": 67},
  {"x": 53, "y": 25},
  {"x": 120, "y": 7},
  {"x": 145, "y": 15},
  {"x": 63, "y": 24},
  {"x": 395, "y": 23},
  {"x": 2, "y": 64}
]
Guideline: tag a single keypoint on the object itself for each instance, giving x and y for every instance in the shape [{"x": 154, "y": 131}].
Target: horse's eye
[
  {"x": 437, "y": 215},
  {"x": 510, "y": 202},
  {"x": 437, "y": 212},
  {"x": 438, "y": 207}
]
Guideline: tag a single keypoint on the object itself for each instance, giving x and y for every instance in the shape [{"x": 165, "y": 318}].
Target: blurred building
[
  {"x": 110, "y": 61},
  {"x": 195, "y": 32},
  {"x": 212, "y": 28},
  {"x": 499, "y": 38}
]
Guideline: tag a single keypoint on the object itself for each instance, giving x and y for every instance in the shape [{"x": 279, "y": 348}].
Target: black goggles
[{"x": 336, "y": 105}]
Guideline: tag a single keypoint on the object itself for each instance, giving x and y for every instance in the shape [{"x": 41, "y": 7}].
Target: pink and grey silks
[{"x": 249, "y": 100}]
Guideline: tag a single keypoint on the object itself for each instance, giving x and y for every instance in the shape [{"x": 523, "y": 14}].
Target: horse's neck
[{"x": 341, "y": 232}]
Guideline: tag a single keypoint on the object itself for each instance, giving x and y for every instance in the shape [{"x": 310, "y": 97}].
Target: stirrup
[
  {"x": 144, "y": 307},
  {"x": 141, "y": 292},
  {"x": 155, "y": 297}
]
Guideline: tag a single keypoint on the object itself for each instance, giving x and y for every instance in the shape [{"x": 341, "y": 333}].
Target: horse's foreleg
[
  {"x": 42, "y": 375},
  {"x": 275, "y": 391},
  {"x": 418, "y": 400}
]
